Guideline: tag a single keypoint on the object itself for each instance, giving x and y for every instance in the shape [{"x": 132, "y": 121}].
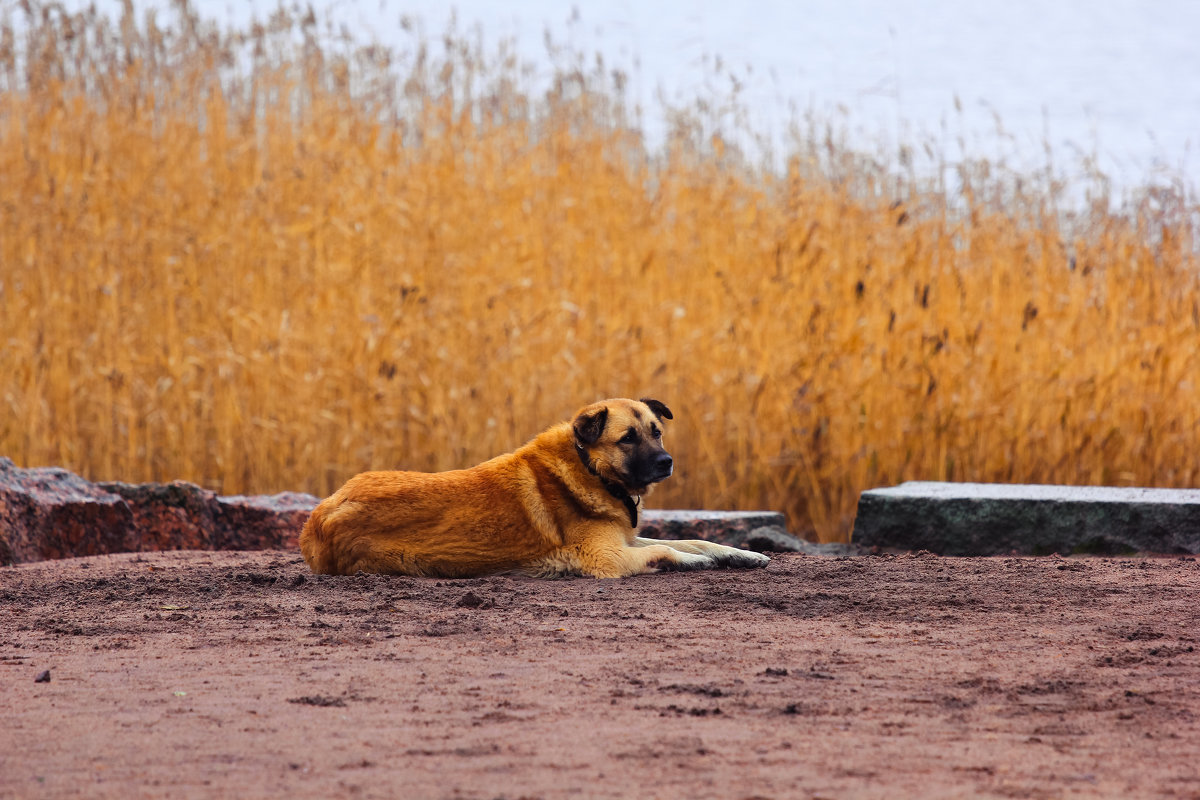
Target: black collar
[{"x": 615, "y": 489}]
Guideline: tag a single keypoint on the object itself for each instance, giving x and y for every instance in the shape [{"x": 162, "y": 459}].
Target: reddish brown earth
[{"x": 242, "y": 675}]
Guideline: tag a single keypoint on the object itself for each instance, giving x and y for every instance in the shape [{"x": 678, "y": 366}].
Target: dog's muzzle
[
  {"x": 657, "y": 467},
  {"x": 663, "y": 466}
]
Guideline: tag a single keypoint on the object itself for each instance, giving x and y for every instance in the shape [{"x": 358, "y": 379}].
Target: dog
[{"x": 566, "y": 503}]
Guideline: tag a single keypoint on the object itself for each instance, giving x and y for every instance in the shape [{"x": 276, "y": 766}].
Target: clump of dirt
[{"x": 243, "y": 674}]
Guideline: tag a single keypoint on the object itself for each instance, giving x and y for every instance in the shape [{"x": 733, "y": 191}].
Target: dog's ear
[
  {"x": 590, "y": 427},
  {"x": 658, "y": 407}
]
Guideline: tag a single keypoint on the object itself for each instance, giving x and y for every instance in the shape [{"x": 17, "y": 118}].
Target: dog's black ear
[
  {"x": 590, "y": 427},
  {"x": 659, "y": 408}
]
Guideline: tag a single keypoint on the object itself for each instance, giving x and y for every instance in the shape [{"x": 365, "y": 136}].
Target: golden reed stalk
[{"x": 258, "y": 262}]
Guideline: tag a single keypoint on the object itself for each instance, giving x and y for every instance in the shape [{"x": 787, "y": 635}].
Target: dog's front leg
[
  {"x": 723, "y": 555},
  {"x": 622, "y": 561},
  {"x": 601, "y": 552}
]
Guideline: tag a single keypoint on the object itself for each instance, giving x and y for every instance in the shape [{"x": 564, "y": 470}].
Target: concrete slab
[
  {"x": 713, "y": 526},
  {"x": 975, "y": 519},
  {"x": 762, "y": 531}
]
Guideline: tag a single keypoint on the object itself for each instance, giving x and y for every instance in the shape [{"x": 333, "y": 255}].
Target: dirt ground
[{"x": 199, "y": 674}]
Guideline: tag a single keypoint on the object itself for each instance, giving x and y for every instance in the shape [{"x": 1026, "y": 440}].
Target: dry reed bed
[{"x": 258, "y": 262}]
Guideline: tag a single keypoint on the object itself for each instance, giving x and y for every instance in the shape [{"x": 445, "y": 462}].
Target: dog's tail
[{"x": 316, "y": 544}]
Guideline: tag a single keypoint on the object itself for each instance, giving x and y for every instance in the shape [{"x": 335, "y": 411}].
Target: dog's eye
[
  {"x": 630, "y": 437},
  {"x": 655, "y": 432}
]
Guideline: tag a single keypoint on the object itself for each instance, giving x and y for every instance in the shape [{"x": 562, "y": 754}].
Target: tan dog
[{"x": 565, "y": 503}]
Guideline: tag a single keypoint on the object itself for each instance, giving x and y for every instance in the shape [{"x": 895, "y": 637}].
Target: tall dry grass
[{"x": 262, "y": 260}]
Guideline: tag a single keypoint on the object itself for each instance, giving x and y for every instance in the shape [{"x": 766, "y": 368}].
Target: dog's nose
[{"x": 663, "y": 462}]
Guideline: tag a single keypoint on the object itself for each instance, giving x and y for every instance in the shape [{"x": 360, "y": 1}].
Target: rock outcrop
[{"x": 51, "y": 513}]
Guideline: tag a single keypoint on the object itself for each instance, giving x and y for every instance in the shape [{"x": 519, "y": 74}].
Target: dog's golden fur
[{"x": 565, "y": 503}]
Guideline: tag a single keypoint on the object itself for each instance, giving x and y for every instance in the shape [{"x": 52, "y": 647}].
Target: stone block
[
  {"x": 724, "y": 527},
  {"x": 979, "y": 519}
]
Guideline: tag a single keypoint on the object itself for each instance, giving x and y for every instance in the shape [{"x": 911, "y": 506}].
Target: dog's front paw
[{"x": 733, "y": 558}]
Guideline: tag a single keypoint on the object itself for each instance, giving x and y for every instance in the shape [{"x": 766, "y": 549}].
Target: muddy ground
[{"x": 199, "y": 674}]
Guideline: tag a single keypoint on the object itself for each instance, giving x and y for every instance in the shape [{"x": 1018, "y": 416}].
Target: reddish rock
[
  {"x": 51, "y": 513},
  {"x": 183, "y": 516},
  {"x": 169, "y": 516},
  {"x": 261, "y": 522}
]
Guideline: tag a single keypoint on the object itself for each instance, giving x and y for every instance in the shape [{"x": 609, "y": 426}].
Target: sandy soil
[{"x": 241, "y": 674}]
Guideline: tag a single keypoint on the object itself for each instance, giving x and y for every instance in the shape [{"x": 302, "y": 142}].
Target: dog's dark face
[{"x": 622, "y": 440}]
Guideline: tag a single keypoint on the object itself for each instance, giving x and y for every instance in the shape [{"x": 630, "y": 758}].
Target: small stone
[
  {"x": 470, "y": 600},
  {"x": 43, "y": 677}
]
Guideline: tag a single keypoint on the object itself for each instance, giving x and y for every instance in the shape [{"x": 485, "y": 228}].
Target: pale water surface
[{"x": 1113, "y": 81}]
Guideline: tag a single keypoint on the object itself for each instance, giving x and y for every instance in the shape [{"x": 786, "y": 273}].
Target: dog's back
[{"x": 448, "y": 524}]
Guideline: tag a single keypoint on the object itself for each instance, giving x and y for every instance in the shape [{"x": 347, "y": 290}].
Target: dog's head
[{"x": 621, "y": 441}]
